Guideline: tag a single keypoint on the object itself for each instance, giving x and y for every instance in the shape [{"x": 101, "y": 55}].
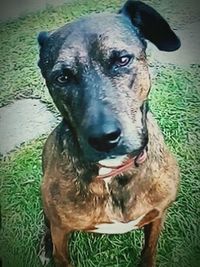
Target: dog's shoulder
[{"x": 160, "y": 154}]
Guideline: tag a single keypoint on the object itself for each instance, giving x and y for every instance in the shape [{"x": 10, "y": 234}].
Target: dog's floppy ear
[
  {"x": 151, "y": 25},
  {"x": 42, "y": 38}
]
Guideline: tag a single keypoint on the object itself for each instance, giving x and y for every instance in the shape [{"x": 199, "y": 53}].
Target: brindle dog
[{"x": 106, "y": 167}]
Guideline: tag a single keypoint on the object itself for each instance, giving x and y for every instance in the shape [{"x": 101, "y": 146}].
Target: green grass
[{"x": 175, "y": 100}]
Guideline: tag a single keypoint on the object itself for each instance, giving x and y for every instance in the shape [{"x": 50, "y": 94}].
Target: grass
[{"x": 177, "y": 92}]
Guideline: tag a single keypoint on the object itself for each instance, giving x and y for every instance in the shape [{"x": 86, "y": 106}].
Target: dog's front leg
[
  {"x": 151, "y": 235},
  {"x": 60, "y": 238}
]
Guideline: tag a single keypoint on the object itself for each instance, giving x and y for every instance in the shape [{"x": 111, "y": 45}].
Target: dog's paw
[
  {"x": 44, "y": 259},
  {"x": 45, "y": 249},
  {"x": 146, "y": 264}
]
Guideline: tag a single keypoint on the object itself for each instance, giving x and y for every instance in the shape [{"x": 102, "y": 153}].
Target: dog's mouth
[{"x": 115, "y": 166}]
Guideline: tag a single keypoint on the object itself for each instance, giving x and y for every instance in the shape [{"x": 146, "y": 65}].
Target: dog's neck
[{"x": 86, "y": 172}]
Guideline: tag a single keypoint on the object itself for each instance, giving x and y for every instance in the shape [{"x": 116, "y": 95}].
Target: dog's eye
[
  {"x": 62, "y": 79},
  {"x": 122, "y": 61}
]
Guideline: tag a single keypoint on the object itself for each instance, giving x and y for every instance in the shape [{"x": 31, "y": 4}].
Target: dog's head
[{"x": 97, "y": 74}]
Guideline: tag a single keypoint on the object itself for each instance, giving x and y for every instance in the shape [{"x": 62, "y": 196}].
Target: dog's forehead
[{"x": 100, "y": 31}]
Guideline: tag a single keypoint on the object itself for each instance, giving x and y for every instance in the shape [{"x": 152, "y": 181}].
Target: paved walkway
[{"x": 22, "y": 121}]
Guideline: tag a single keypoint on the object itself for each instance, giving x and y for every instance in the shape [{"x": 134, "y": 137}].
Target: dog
[{"x": 106, "y": 167}]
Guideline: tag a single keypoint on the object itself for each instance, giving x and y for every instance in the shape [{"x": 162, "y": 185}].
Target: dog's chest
[{"x": 119, "y": 218}]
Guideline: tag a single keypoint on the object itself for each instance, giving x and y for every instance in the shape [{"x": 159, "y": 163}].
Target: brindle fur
[{"x": 73, "y": 198}]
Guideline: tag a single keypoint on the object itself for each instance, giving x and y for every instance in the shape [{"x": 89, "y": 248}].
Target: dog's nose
[{"x": 105, "y": 138}]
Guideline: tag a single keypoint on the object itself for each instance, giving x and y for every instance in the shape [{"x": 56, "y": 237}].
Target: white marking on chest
[{"x": 116, "y": 227}]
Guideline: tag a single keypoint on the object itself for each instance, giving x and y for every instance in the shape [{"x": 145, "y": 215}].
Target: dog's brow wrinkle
[
  {"x": 61, "y": 65},
  {"x": 73, "y": 49}
]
